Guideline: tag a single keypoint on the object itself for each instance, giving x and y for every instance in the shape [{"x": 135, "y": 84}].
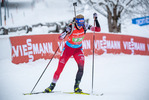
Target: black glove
[
  {"x": 95, "y": 19},
  {"x": 95, "y": 16}
]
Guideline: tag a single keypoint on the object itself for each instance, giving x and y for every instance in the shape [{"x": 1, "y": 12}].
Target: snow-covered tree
[
  {"x": 113, "y": 10},
  {"x": 142, "y": 7},
  {"x": 116, "y": 11}
]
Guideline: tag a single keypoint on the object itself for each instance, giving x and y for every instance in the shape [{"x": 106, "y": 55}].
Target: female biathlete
[{"x": 73, "y": 47}]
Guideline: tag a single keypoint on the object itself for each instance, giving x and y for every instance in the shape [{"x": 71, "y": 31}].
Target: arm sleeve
[
  {"x": 97, "y": 26},
  {"x": 65, "y": 32}
]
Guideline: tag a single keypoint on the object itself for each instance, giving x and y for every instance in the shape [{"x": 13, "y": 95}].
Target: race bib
[{"x": 77, "y": 39}]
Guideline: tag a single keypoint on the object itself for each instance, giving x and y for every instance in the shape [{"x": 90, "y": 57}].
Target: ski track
[{"x": 119, "y": 77}]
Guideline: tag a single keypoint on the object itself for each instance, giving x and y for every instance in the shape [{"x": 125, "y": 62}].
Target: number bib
[
  {"x": 77, "y": 39},
  {"x": 77, "y": 36}
]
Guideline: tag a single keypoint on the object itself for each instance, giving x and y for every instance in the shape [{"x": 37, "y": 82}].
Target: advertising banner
[
  {"x": 141, "y": 21},
  {"x": 107, "y": 43},
  {"x": 147, "y": 46},
  {"x": 33, "y": 47},
  {"x": 134, "y": 45}
]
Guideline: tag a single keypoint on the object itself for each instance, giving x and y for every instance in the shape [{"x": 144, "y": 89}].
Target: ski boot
[
  {"x": 50, "y": 88},
  {"x": 76, "y": 87}
]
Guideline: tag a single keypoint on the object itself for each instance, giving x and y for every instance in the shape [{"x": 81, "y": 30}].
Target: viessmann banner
[{"x": 34, "y": 47}]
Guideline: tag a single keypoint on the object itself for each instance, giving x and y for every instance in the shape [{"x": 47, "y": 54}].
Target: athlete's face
[
  {"x": 79, "y": 22},
  {"x": 79, "y": 27}
]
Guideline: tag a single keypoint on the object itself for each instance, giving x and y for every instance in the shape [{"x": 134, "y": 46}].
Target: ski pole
[
  {"x": 93, "y": 58},
  {"x": 46, "y": 67},
  {"x": 75, "y": 4}
]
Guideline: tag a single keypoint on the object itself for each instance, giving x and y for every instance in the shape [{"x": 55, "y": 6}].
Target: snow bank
[{"x": 5, "y": 50}]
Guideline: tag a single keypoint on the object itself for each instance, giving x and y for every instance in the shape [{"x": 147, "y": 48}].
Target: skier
[{"x": 73, "y": 47}]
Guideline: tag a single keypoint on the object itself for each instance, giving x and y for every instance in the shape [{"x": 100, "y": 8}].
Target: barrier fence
[{"x": 33, "y": 47}]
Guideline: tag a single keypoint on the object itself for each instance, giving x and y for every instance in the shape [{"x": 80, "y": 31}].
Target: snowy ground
[{"x": 119, "y": 77}]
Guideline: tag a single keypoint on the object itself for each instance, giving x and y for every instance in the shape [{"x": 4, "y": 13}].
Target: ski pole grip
[{"x": 75, "y": 4}]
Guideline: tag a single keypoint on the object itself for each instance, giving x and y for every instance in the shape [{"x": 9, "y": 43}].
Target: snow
[
  {"x": 119, "y": 77},
  {"x": 40, "y": 12}
]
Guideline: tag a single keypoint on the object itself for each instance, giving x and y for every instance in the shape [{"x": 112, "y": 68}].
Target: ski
[
  {"x": 35, "y": 93},
  {"x": 43, "y": 92},
  {"x": 82, "y": 93}
]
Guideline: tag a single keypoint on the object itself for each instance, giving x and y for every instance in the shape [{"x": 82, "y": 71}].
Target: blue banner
[{"x": 141, "y": 21}]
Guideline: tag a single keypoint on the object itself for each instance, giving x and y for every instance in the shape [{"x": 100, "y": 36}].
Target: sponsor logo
[
  {"x": 77, "y": 39},
  {"x": 86, "y": 44},
  {"x": 131, "y": 45},
  {"x": 30, "y": 49},
  {"x": 77, "y": 34},
  {"x": 105, "y": 44},
  {"x": 81, "y": 21},
  {"x": 62, "y": 61},
  {"x": 82, "y": 58},
  {"x": 148, "y": 46}
]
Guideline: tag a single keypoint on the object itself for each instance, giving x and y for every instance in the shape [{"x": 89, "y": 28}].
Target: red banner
[
  {"x": 32, "y": 47},
  {"x": 134, "y": 45},
  {"x": 147, "y": 46},
  {"x": 107, "y": 43}
]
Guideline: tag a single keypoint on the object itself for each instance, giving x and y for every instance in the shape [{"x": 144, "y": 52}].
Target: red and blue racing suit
[{"x": 73, "y": 47}]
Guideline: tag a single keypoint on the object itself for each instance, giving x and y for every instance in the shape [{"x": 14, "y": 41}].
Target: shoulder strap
[{"x": 72, "y": 29}]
